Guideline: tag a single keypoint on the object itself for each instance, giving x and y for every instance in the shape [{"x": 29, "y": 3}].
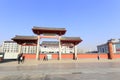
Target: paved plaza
[{"x": 83, "y": 69}]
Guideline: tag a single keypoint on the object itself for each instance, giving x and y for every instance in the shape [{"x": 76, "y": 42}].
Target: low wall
[
  {"x": 69, "y": 56},
  {"x": 10, "y": 55},
  {"x": 55, "y": 56},
  {"x": 63, "y": 56},
  {"x": 33, "y": 56},
  {"x": 92, "y": 55},
  {"x": 87, "y": 56},
  {"x": 116, "y": 56},
  {"x": 30, "y": 56}
]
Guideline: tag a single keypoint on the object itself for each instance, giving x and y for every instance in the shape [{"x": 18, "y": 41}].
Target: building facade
[
  {"x": 45, "y": 47},
  {"x": 104, "y": 47},
  {"x": 62, "y": 46},
  {"x": 10, "y": 46},
  {"x": 53, "y": 47}
]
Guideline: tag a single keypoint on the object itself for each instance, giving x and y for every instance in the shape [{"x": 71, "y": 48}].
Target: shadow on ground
[{"x": 8, "y": 60}]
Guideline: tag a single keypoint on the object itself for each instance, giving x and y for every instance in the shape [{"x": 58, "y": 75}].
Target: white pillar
[
  {"x": 75, "y": 48},
  {"x": 59, "y": 48},
  {"x": 20, "y": 47},
  {"x": 38, "y": 46},
  {"x": 114, "y": 48}
]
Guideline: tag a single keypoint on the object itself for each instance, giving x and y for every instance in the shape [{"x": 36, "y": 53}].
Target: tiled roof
[
  {"x": 43, "y": 30},
  {"x": 71, "y": 38},
  {"x": 25, "y": 39},
  {"x": 47, "y": 28},
  {"x": 75, "y": 40},
  {"x": 9, "y": 42},
  {"x": 17, "y": 37}
]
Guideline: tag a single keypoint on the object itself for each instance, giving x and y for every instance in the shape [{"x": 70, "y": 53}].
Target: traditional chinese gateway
[{"x": 54, "y": 33}]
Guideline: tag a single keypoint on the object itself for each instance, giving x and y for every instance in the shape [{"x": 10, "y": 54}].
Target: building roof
[
  {"x": 33, "y": 39},
  {"x": 18, "y": 37},
  {"x": 114, "y": 41},
  {"x": 9, "y": 42},
  {"x": 25, "y": 39},
  {"x": 42, "y": 30},
  {"x": 74, "y": 40}
]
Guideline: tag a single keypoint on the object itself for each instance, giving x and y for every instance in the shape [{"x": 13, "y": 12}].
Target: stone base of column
[
  {"x": 74, "y": 57},
  {"x": 110, "y": 56}
]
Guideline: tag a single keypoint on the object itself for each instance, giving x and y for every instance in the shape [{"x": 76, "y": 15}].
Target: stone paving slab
[{"x": 83, "y": 69}]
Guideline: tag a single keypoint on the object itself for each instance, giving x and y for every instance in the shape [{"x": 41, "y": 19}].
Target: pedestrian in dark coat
[
  {"x": 19, "y": 58},
  {"x": 98, "y": 57}
]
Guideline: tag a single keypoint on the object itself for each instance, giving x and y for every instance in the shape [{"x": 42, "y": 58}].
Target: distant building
[
  {"x": 10, "y": 49},
  {"x": 31, "y": 48},
  {"x": 45, "y": 46},
  {"x": 28, "y": 49},
  {"x": 53, "y": 47},
  {"x": 104, "y": 47},
  {"x": 13, "y": 47},
  {"x": 0, "y": 48},
  {"x": 10, "y": 46}
]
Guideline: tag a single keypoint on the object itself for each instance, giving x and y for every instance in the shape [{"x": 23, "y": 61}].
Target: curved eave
[
  {"x": 25, "y": 39},
  {"x": 41, "y": 30},
  {"x": 73, "y": 40}
]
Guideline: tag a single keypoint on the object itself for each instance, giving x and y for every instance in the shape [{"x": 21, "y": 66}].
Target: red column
[{"x": 110, "y": 49}]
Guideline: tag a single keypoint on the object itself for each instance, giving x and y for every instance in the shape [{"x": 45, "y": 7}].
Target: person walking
[
  {"x": 18, "y": 58},
  {"x": 45, "y": 58},
  {"x": 98, "y": 57},
  {"x": 22, "y": 59}
]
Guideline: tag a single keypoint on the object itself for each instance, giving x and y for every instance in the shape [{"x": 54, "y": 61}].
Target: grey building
[{"x": 103, "y": 48}]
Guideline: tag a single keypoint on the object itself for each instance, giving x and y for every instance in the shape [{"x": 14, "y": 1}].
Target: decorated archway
[{"x": 45, "y": 32}]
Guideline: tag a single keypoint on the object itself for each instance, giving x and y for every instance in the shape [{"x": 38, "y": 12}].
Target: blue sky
[{"x": 95, "y": 21}]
